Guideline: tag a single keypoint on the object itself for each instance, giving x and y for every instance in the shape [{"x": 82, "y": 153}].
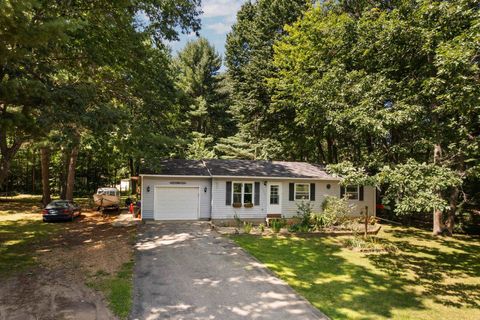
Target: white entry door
[
  {"x": 274, "y": 198},
  {"x": 176, "y": 203}
]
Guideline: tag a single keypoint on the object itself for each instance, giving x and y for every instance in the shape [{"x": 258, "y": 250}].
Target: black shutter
[
  {"x": 312, "y": 191},
  {"x": 360, "y": 193},
  {"x": 291, "y": 191},
  {"x": 342, "y": 191},
  {"x": 228, "y": 195},
  {"x": 257, "y": 194}
]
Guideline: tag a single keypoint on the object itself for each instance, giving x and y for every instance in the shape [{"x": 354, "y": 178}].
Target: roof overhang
[{"x": 239, "y": 177}]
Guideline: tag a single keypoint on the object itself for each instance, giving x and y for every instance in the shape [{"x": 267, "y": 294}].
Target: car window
[{"x": 57, "y": 204}]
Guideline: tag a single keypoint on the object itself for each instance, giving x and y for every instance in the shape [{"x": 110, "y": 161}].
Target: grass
[
  {"x": 21, "y": 231},
  {"x": 427, "y": 278},
  {"x": 117, "y": 289}
]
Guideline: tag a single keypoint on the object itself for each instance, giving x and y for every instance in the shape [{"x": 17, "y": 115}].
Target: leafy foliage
[{"x": 417, "y": 187}]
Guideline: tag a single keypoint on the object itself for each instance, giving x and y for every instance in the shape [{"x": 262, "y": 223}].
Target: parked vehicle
[
  {"x": 107, "y": 198},
  {"x": 61, "y": 210}
]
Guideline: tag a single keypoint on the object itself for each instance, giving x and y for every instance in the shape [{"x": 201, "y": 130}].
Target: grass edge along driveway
[{"x": 427, "y": 278}]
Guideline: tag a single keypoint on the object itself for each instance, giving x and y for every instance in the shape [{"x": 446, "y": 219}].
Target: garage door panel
[{"x": 176, "y": 203}]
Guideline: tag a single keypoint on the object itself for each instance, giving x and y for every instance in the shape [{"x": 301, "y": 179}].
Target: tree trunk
[
  {"x": 33, "y": 173},
  {"x": 45, "y": 162},
  {"x": 72, "y": 164},
  {"x": 132, "y": 174},
  {"x": 329, "y": 149},
  {"x": 450, "y": 224},
  {"x": 64, "y": 173},
  {"x": 7, "y": 154},
  {"x": 438, "y": 226},
  {"x": 437, "y": 222}
]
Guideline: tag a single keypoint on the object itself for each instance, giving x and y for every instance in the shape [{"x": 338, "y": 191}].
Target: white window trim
[
  {"x": 243, "y": 190},
  {"x": 295, "y": 191},
  {"x": 358, "y": 193}
]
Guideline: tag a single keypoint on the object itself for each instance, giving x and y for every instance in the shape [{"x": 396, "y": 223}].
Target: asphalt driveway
[{"x": 186, "y": 271}]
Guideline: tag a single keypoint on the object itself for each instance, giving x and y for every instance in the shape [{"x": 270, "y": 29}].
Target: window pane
[
  {"x": 237, "y": 198},
  {"x": 352, "y": 195},
  {"x": 302, "y": 187},
  {"x": 237, "y": 188},
  {"x": 351, "y": 189},
  {"x": 247, "y": 198},
  {"x": 302, "y": 191},
  {"x": 273, "y": 199},
  {"x": 352, "y": 192},
  {"x": 248, "y": 188}
]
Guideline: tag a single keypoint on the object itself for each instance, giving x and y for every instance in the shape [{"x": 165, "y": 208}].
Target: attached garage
[{"x": 176, "y": 203}]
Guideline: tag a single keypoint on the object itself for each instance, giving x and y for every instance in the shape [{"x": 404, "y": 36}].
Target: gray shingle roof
[
  {"x": 237, "y": 168},
  {"x": 178, "y": 167}
]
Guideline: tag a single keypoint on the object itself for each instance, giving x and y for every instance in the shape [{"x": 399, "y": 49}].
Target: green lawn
[
  {"x": 21, "y": 231},
  {"x": 428, "y": 278}
]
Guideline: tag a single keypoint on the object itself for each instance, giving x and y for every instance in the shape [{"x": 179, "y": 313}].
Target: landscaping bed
[{"x": 266, "y": 231}]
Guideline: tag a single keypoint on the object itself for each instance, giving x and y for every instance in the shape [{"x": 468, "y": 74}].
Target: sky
[{"x": 217, "y": 19}]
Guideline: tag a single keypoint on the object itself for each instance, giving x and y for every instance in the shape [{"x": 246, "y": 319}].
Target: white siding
[
  {"x": 221, "y": 211},
  {"x": 147, "y": 197},
  {"x": 289, "y": 208}
]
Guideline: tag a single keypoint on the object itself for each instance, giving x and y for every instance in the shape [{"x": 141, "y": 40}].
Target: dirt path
[{"x": 56, "y": 289}]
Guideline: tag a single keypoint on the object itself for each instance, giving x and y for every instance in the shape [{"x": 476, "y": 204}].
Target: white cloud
[
  {"x": 219, "y": 27},
  {"x": 220, "y": 8}
]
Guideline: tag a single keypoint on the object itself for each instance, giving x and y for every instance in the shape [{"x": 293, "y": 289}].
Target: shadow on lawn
[
  {"x": 337, "y": 287},
  {"x": 440, "y": 272}
]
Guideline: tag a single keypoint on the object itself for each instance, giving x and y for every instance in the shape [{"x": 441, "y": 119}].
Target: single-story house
[{"x": 250, "y": 189}]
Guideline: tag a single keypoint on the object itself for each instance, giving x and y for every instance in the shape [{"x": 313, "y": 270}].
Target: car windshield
[
  {"x": 107, "y": 192},
  {"x": 57, "y": 204}
]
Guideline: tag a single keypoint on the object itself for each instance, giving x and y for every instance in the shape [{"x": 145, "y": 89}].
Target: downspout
[{"x": 211, "y": 187}]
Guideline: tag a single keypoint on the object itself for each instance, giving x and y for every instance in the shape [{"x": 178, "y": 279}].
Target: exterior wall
[
  {"x": 147, "y": 197},
  {"x": 221, "y": 211},
  {"x": 212, "y": 202},
  {"x": 368, "y": 200},
  {"x": 289, "y": 208}
]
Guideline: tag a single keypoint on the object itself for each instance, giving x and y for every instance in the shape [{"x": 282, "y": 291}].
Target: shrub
[
  {"x": 335, "y": 211},
  {"x": 247, "y": 227},
  {"x": 304, "y": 212},
  {"x": 262, "y": 227},
  {"x": 277, "y": 224},
  {"x": 370, "y": 244}
]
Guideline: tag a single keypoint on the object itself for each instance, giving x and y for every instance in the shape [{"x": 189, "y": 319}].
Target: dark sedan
[{"x": 61, "y": 210}]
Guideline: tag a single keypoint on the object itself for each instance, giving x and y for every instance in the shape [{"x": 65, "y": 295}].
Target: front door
[{"x": 274, "y": 198}]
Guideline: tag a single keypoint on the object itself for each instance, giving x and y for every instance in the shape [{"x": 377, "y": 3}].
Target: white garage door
[{"x": 176, "y": 203}]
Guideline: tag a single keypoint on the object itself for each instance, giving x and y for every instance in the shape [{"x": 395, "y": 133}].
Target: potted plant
[
  {"x": 237, "y": 205},
  {"x": 248, "y": 205}
]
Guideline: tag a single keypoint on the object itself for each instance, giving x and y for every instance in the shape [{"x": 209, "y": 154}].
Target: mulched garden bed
[{"x": 331, "y": 232}]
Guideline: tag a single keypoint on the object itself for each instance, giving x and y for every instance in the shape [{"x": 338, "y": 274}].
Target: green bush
[
  {"x": 262, "y": 227},
  {"x": 304, "y": 212},
  {"x": 247, "y": 227},
  {"x": 277, "y": 224},
  {"x": 335, "y": 211}
]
